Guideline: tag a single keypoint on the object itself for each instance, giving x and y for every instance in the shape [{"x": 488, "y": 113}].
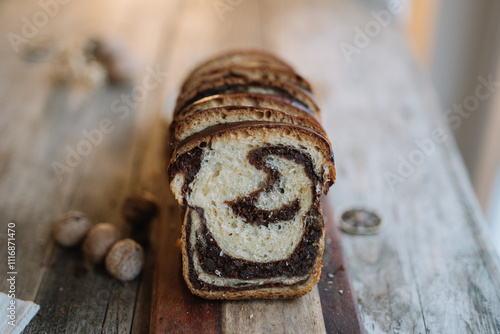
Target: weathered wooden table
[{"x": 430, "y": 270}]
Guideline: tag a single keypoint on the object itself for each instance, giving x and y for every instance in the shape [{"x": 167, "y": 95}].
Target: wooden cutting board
[{"x": 330, "y": 308}]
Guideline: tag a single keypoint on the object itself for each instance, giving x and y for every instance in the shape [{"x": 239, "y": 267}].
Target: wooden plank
[
  {"x": 302, "y": 315},
  {"x": 27, "y": 175},
  {"x": 54, "y": 120},
  {"x": 99, "y": 196},
  {"x": 338, "y": 301}
]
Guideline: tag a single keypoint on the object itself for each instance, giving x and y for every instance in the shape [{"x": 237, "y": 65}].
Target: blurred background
[{"x": 458, "y": 42}]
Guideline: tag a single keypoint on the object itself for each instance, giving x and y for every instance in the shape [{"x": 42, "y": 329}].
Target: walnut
[
  {"x": 70, "y": 228},
  {"x": 125, "y": 260},
  {"x": 98, "y": 241},
  {"x": 140, "y": 210}
]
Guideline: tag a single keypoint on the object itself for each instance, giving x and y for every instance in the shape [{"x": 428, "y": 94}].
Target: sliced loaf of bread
[{"x": 249, "y": 164}]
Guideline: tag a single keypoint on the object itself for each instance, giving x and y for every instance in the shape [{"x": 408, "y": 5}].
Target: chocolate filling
[
  {"x": 189, "y": 164},
  {"x": 213, "y": 259},
  {"x": 246, "y": 207},
  {"x": 211, "y": 256},
  {"x": 218, "y": 129}
]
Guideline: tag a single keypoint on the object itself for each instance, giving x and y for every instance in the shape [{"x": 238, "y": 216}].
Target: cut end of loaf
[{"x": 253, "y": 221}]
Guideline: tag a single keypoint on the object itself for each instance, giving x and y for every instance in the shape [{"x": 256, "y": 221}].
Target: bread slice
[
  {"x": 196, "y": 116},
  {"x": 237, "y": 58},
  {"x": 299, "y": 97},
  {"x": 249, "y": 164},
  {"x": 252, "y": 220},
  {"x": 250, "y": 71},
  {"x": 206, "y": 118},
  {"x": 245, "y": 99}
]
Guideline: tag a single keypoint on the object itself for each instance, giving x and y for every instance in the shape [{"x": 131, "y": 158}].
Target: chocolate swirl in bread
[{"x": 249, "y": 188}]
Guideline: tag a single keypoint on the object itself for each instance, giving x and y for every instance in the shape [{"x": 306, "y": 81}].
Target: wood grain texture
[
  {"x": 302, "y": 315},
  {"x": 338, "y": 301},
  {"x": 431, "y": 269},
  {"x": 40, "y": 121}
]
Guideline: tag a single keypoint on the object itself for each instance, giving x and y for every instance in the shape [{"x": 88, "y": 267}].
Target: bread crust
[
  {"x": 202, "y": 119},
  {"x": 243, "y": 99},
  {"x": 244, "y": 85},
  {"x": 257, "y": 71},
  {"x": 237, "y": 57}
]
